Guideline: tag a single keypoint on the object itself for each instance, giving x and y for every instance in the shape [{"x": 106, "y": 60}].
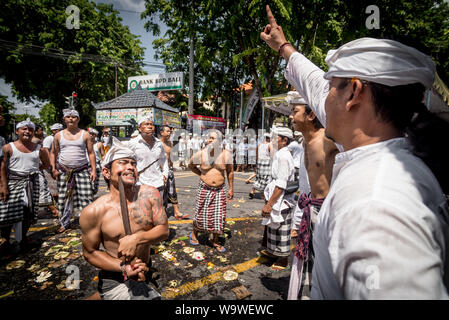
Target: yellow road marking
[
  {"x": 185, "y": 175},
  {"x": 230, "y": 219},
  {"x": 215, "y": 277}
]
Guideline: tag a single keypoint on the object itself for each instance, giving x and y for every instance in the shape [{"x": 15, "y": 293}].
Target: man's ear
[
  {"x": 311, "y": 116},
  {"x": 355, "y": 94},
  {"x": 106, "y": 173}
]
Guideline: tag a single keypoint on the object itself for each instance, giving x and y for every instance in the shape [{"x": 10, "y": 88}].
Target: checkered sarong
[
  {"x": 82, "y": 194},
  {"x": 240, "y": 159},
  {"x": 252, "y": 159},
  {"x": 45, "y": 197},
  {"x": 278, "y": 240},
  {"x": 263, "y": 175},
  {"x": 96, "y": 183},
  {"x": 12, "y": 210},
  {"x": 170, "y": 195},
  {"x": 210, "y": 209}
]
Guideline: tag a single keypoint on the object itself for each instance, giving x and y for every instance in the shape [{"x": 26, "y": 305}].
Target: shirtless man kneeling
[
  {"x": 101, "y": 223},
  {"x": 210, "y": 209}
]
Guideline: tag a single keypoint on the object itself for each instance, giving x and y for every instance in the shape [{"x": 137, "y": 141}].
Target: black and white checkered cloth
[
  {"x": 82, "y": 195},
  {"x": 11, "y": 211},
  {"x": 263, "y": 175},
  {"x": 96, "y": 183},
  {"x": 45, "y": 197},
  {"x": 210, "y": 209},
  {"x": 240, "y": 159},
  {"x": 278, "y": 240},
  {"x": 170, "y": 195}
]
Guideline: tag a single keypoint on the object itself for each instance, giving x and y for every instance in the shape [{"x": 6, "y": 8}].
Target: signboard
[
  {"x": 157, "y": 82},
  {"x": 119, "y": 117},
  {"x": 200, "y": 123},
  {"x": 252, "y": 102},
  {"x": 115, "y": 117}
]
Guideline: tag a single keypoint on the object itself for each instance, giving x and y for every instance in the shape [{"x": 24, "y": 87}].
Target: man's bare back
[{"x": 168, "y": 146}]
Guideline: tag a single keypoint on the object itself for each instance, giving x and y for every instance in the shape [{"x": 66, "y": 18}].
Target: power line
[{"x": 66, "y": 54}]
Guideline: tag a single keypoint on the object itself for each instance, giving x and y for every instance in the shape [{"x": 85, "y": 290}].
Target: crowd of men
[{"x": 360, "y": 182}]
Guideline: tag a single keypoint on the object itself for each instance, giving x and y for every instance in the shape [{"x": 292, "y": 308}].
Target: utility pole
[
  {"x": 116, "y": 85},
  {"x": 241, "y": 107},
  {"x": 191, "y": 92}
]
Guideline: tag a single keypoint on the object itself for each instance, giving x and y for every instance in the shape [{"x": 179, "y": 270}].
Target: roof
[
  {"x": 277, "y": 103},
  {"x": 134, "y": 99}
]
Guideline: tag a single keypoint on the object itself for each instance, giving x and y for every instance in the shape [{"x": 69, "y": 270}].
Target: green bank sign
[{"x": 157, "y": 82}]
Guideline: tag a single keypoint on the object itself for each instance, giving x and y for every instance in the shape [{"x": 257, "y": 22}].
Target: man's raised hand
[{"x": 273, "y": 34}]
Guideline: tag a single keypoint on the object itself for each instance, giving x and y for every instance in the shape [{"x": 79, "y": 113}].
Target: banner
[
  {"x": 199, "y": 123},
  {"x": 115, "y": 117},
  {"x": 157, "y": 82},
  {"x": 119, "y": 117},
  {"x": 252, "y": 102}
]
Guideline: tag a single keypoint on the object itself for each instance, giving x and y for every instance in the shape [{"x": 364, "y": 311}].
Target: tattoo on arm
[{"x": 149, "y": 209}]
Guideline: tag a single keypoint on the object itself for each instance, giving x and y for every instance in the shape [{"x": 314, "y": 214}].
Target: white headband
[
  {"x": 70, "y": 112},
  {"x": 381, "y": 61},
  {"x": 293, "y": 97},
  {"x": 26, "y": 123},
  {"x": 142, "y": 120},
  {"x": 284, "y": 132},
  {"x": 94, "y": 131},
  {"x": 57, "y": 126},
  {"x": 118, "y": 150}
]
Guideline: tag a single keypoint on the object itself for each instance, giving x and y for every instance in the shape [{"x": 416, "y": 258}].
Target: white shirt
[
  {"x": 252, "y": 149},
  {"x": 382, "y": 232},
  {"x": 48, "y": 141},
  {"x": 182, "y": 144},
  {"x": 242, "y": 148},
  {"x": 282, "y": 171},
  {"x": 153, "y": 176},
  {"x": 297, "y": 151},
  {"x": 195, "y": 144}
]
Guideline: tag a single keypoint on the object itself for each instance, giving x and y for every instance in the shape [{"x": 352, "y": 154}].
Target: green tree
[
  {"x": 229, "y": 52},
  {"x": 44, "y": 59},
  {"x": 48, "y": 116}
]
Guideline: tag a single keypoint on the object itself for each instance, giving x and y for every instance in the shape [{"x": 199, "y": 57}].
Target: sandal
[
  {"x": 276, "y": 267},
  {"x": 182, "y": 217},
  {"x": 192, "y": 241}
]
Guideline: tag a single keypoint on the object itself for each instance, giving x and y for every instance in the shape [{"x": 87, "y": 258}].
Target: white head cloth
[
  {"x": 118, "y": 150},
  {"x": 142, "y": 120},
  {"x": 381, "y": 61},
  {"x": 267, "y": 135},
  {"x": 284, "y": 132},
  {"x": 26, "y": 123},
  {"x": 135, "y": 133},
  {"x": 94, "y": 131},
  {"x": 293, "y": 97},
  {"x": 57, "y": 126},
  {"x": 297, "y": 134},
  {"x": 70, "y": 112}
]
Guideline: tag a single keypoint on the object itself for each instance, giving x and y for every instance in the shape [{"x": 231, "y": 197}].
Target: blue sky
[{"x": 130, "y": 11}]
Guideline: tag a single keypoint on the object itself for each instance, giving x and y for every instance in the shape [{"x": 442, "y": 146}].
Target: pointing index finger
[{"x": 270, "y": 17}]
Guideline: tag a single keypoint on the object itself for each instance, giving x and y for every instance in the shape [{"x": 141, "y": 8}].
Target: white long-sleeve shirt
[
  {"x": 382, "y": 232},
  {"x": 153, "y": 176}
]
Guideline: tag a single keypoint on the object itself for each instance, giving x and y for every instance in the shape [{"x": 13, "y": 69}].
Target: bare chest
[{"x": 112, "y": 226}]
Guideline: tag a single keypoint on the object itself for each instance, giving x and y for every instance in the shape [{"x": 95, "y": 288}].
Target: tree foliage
[
  {"x": 36, "y": 32},
  {"x": 229, "y": 52}
]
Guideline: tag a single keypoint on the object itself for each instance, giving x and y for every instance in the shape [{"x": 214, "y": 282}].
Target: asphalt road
[{"x": 52, "y": 270}]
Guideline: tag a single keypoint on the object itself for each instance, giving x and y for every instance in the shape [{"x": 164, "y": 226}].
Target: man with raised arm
[
  {"x": 210, "y": 210},
  {"x": 125, "y": 259},
  {"x": 382, "y": 232}
]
